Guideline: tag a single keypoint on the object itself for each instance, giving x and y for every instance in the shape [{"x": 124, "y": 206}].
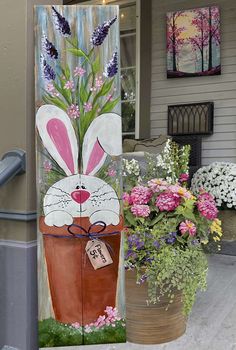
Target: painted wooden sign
[{"x": 79, "y": 150}]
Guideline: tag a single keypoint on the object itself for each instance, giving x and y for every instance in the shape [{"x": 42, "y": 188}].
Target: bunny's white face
[{"x": 81, "y": 196}]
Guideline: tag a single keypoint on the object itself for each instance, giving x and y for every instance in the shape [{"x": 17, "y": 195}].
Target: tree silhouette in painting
[
  {"x": 193, "y": 42},
  {"x": 207, "y": 23},
  {"x": 174, "y": 41}
]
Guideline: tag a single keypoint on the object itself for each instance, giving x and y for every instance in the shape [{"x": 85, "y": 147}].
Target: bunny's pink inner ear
[
  {"x": 59, "y": 135},
  {"x": 95, "y": 158}
]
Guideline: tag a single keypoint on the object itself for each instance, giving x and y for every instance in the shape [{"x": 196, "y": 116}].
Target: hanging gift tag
[{"x": 98, "y": 254}]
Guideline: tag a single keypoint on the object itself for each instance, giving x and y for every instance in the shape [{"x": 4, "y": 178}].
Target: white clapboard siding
[{"x": 221, "y": 146}]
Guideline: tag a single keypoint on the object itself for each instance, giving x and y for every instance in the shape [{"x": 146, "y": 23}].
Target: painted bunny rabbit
[{"x": 79, "y": 195}]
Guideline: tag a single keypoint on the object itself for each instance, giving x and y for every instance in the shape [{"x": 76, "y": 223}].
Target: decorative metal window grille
[{"x": 191, "y": 119}]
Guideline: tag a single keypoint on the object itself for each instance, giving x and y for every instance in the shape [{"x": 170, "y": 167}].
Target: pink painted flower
[
  {"x": 141, "y": 195},
  {"x": 188, "y": 227},
  {"x": 88, "y": 106},
  {"x": 207, "y": 209},
  {"x": 183, "y": 177},
  {"x": 51, "y": 89},
  {"x": 73, "y": 111},
  {"x": 98, "y": 82},
  {"x": 168, "y": 201},
  {"x": 158, "y": 185},
  {"x": 69, "y": 85},
  {"x": 79, "y": 71},
  {"x": 47, "y": 166},
  {"x": 88, "y": 329},
  {"x": 76, "y": 325},
  {"x": 140, "y": 210},
  {"x": 111, "y": 172},
  {"x": 127, "y": 199}
]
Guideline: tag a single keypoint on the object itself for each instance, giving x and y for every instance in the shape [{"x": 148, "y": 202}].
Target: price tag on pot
[{"x": 98, "y": 254}]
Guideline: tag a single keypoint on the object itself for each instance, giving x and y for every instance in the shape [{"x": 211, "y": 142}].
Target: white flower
[{"x": 219, "y": 179}]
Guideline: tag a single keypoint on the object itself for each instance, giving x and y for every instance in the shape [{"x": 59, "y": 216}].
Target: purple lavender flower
[
  {"x": 48, "y": 72},
  {"x": 100, "y": 33},
  {"x": 48, "y": 48},
  {"x": 61, "y": 23},
  {"x": 111, "y": 68}
]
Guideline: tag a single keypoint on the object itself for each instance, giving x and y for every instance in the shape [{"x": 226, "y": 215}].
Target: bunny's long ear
[
  {"x": 58, "y": 137},
  {"x": 102, "y": 137}
]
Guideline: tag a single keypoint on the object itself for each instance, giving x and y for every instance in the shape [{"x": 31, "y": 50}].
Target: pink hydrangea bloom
[
  {"x": 127, "y": 199},
  {"x": 140, "y": 210},
  {"x": 207, "y": 208},
  {"x": 205, "y": 196},
  {"x": 79, "y": 71},
  {"x": 158, "y": 185},
  {"x": 188, "y": 227},
  {"x": 88, "y": 106},
  {"x": 183, "y": 177},
  {"x": 73, "y": 111},
  {"x": 141, "y": 195},
  {"x": 168, "y": 201}
]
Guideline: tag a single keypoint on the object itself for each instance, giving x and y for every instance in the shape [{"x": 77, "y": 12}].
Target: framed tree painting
[
  {"x": 193, "y": 42},
  {"x": 78, "y": 130}
]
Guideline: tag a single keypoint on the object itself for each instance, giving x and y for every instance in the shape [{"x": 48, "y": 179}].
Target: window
[{"x": 128, "y": 67}]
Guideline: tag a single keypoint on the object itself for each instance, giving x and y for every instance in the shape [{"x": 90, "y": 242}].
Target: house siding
[{"x": 221, "y": 146}]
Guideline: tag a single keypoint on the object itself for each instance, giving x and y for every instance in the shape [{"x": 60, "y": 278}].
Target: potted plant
[
  {"x": 219, "y": 179},
  {"x": 166, "y": 227}
]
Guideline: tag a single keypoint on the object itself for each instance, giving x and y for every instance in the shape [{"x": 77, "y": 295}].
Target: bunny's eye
[
  {"x": 83, "y": 187},
  {"x": 77, "y": 187}
]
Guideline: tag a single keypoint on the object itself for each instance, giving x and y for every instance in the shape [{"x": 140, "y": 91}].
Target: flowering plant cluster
[
  {"x": 219, "y": 179},
  {"x": 166, "y": 227},
  {"x": 171, "y": 164},
  {"x": 110, "y": 318}
]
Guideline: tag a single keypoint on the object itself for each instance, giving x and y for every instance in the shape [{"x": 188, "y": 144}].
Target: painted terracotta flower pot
[
  {"x": 79, "y": 293},
  {"x": 153, "y": 324}
]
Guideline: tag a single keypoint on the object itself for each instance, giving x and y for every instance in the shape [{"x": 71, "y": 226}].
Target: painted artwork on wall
[
  {"x": 78, "y": 127},
  {"x": 193, "y": 42}
]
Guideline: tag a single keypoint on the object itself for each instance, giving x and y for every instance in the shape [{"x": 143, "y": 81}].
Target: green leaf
[
  {"x": 96, "y": 65},
  {"x": 106, "y": 87},
  {"x": 83, "y": 94},
  {"x": 157, "y": 219},
  {"x": 56, "y": 101},
  {"x": 108, "y": 107},
  {"x": 130, "y": 218},
  {"x": 67, "y": 72},
  {"x": 78, "y": 53}
]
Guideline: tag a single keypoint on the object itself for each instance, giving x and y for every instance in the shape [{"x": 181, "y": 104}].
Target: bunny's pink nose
[{"x": 80, "y": 196}]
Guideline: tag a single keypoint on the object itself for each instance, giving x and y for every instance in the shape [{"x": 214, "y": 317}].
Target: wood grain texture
[
  {"x": 219, "y": 89},
  {"x": 153, "y": 324}
]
